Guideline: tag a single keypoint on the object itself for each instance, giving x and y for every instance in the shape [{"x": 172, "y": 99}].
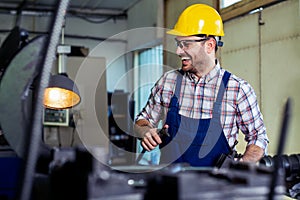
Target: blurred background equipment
[
  {"x": 291, "y": 166},
  {"x": 120, "y": 120}
]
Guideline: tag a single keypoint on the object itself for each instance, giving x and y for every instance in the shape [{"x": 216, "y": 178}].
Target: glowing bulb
[
  {"x": 54, "y": 94},
  {"x": 58, "y": 98}
]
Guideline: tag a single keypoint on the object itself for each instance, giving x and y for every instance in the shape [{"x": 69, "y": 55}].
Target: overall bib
[{"x": 198, "y": 142}]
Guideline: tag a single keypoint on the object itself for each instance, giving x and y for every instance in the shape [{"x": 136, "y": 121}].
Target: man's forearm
[{"x": 253, "y": 153}]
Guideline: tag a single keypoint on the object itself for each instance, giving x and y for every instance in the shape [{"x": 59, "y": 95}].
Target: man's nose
[{"x": 179, "y": 50}]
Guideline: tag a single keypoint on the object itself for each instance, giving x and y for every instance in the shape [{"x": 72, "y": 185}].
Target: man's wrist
[
  {"x": 253, "y": 153},
  {"x": 141, "y": 127}
]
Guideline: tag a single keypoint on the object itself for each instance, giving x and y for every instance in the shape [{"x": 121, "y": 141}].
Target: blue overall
[{"x": 198, "y": 142}]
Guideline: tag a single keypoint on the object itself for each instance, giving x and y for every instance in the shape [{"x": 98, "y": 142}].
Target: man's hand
[
  {"x": 151, "y": 139},
  {"x": 253, "y": 153},
  {"x": 149, "y": 136}
]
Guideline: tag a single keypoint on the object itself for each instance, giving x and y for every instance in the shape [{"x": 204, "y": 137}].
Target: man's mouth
[{"x": 185, "y": 60}]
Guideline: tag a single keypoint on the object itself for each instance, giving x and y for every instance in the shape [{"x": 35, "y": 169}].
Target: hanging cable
[
  {"x": 260, "y": 24},
  {"x": 19, "y": 12},
  {"x": 95, "y": 21}
]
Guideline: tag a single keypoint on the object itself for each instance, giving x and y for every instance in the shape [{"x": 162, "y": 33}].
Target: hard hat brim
[{"x": 177, "y": 33}]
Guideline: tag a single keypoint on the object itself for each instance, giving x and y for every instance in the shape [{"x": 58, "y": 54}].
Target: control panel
[{"x": 56, "y": 117}]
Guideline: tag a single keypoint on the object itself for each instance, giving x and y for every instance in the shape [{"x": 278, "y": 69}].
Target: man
[{"x": 202, "y": 106}]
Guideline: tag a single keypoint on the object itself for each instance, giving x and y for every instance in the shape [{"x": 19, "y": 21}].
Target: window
[
  {"x": 226, "y": 3},
  {"x": 149, "y": 65},
  {"x": 149, "y": 71}
]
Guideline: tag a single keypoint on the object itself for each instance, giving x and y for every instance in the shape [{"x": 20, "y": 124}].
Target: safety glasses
[{"x": 186, "y": 43}]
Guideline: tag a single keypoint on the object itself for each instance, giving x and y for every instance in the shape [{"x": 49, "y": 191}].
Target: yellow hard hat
[{"x": 198, "y": 19}]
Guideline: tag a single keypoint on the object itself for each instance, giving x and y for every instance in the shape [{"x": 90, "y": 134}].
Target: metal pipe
[{"x": 33, "y": 141}]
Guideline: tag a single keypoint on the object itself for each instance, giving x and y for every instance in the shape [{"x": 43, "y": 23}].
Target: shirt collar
[{"x": 211, "y": 75}]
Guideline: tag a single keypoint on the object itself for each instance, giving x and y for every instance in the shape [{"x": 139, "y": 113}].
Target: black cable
[
  {"x": 72, "y": 137},
  {"x": 94, "y": 21},
  {"x": 19, "y": 12},
  {"x": 73, "y": 124},
  {"x": 58, "y": 136}
]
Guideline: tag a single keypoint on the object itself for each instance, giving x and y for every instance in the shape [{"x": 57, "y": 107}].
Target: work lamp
[{"x": 61, "y": 93}]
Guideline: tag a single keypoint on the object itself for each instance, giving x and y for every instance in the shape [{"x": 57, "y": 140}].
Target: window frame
[{"x": 243, "y": 7}]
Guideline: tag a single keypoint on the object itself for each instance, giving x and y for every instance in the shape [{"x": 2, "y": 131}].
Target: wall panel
[
  {"x": 270, "y": 66},
  {"x": 281, "y": 70}
]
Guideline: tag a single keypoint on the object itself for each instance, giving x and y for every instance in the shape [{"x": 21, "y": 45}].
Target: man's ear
[{"x": 211, "y": 45}]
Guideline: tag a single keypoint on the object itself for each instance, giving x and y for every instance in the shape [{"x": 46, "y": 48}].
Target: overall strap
[
  {"x": 178, "y": 83},
  {"x": 222, "y": 88},
  {"x": 215, "y": 131}
]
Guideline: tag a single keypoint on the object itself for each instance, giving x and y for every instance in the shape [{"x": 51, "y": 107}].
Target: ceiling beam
[{"x": 12, "y": 8}]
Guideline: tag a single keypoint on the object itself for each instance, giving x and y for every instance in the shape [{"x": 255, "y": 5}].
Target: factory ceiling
[{"x": 83, "y": 8}]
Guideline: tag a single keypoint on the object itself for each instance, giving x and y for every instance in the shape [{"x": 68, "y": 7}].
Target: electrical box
[{"x": 56, "y": 117}]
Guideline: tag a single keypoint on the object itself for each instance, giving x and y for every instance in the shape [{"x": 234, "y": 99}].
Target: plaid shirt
[{"x": 240, "y": 110}]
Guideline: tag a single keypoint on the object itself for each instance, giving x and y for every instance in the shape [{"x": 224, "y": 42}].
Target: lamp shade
[{"x": 61, "y": 93}]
